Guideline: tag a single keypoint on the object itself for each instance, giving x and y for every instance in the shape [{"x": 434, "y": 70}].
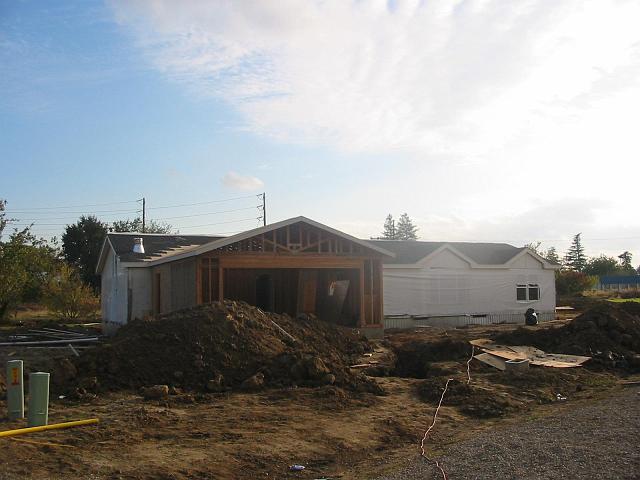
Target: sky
[{"x": 484, "y": 120}]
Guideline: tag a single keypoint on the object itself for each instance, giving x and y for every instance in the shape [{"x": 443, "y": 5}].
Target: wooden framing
[{"x": 304, "y": 248}]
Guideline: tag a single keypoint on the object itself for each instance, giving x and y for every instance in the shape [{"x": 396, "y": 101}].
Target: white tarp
[{"x": 432, "y": 291}]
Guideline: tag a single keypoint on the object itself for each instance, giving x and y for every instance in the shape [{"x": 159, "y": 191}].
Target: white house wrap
[{"x": 457, "y": 283}]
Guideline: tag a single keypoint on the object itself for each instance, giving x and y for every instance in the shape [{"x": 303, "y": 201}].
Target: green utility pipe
[
  {"x": 76, "y": 423},
  {"x": 38, "y": 413},
  {"x": 15, "y": 389}
]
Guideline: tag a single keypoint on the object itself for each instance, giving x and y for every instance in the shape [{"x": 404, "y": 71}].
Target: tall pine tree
[
  {"x": 575, "y": 259},
  {"x": 406, "y": 229},
  {"x": 389, "y": 232},
  {"x": 552, "y": 255}
]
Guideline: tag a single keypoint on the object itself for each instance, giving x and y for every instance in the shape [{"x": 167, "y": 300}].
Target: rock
[
  {"x": 89, "y": 383},
  {"x": 316, "y": 368},
  {"x": 175, "y": 391},
  {"x": 216, "y": 384},
  {"x": 255, "y": 382},
  {"x": 155, "y": 392},
  {"x": 328, "y": 379}
]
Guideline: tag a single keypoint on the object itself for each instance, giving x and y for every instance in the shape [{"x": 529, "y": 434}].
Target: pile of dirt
[
  {"x": 217, "y": 347},
  {"x": 470, "y": 399},
  {"x": 415, "y": 359},
  {"x": 610, "y": 333}
]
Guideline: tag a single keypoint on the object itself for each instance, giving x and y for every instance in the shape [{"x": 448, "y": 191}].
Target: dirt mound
[
  {"x": 218, "y": 347},
  {"x": 414, "y": 359},
  {"x": 471, "y": 400},
  {"x": 609, "y": 333}
]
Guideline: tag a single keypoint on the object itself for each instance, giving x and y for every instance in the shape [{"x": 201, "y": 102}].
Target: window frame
[{"x": 527, "y": 287}]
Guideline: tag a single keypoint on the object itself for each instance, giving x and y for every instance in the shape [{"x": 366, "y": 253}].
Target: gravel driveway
[{"x": 597, "y": 441}]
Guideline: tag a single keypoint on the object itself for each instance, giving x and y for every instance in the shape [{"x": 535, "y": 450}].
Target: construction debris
[
  {"x": 499, "y": 356},
  {"x": 609, "y": 333}
]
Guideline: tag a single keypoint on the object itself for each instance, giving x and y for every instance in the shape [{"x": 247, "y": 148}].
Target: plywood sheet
[{"x": 522, "y": 352}]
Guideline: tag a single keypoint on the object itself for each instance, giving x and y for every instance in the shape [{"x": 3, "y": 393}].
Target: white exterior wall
[
  {"x": 141, "y": 286},
  {"x": 447, "y": 285},
  {"x": 113, "y": 294}
]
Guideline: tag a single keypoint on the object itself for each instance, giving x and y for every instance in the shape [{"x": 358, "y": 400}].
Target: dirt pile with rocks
[
  {"x": 610, "y": 333},
  {"x": 218, "y": 347}
]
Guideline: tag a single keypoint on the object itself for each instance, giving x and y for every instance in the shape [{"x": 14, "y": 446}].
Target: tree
[
  {"x": 389, "y": 232},
  {"x": 575, "y": 259},
  {"x": 535, "y": 246},
  {"x": 25, "y": 263},
  {"x": 81, "y": 244},
  {"x": 602, "y": 265},
  {"x": 406, "y": 230},
  {"x": 625, "y": 263},
  {"x": 135, "y": 225},
  {"x": 570, "y": 282},
  {"x": 552, "y": 255},
  {"x": 67, "y": 297}
]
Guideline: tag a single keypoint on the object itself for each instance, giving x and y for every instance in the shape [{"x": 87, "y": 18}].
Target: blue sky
[{"x": 484, "y": 122}]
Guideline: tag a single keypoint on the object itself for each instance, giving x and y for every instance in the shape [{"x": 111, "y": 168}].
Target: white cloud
[
  {"x": 241, "y": 182},
  {"x": 437, "y": 76},
  {"x": 494, "y": 108}
]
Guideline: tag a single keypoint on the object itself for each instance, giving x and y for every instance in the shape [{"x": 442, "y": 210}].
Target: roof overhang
[
  {"x": 223, "y": 242},
  {"x": 104, "y": 250}
]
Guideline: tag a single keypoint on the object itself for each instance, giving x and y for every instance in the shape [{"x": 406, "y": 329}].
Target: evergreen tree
[
  {"x": 552, "y": 255},
  {"x": 406, "y": 229},
  {"x": 575, "y": 259},
  {"x": 389, "y": 232},
  {"x": 625, "y": 263}
]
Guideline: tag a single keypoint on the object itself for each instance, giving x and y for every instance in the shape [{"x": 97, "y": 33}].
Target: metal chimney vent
[{"x": 138, "y": 247}]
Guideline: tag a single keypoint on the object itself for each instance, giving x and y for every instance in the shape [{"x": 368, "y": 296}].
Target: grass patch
[{"x": 620, "y": 300}]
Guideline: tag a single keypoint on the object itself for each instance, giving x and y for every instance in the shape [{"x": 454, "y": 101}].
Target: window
[{"x": 527, "y": 292}]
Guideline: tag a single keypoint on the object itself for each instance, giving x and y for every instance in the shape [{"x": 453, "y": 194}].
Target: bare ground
[{"x": 334, "y": 433}]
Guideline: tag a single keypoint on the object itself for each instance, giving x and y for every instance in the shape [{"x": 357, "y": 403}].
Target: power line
[
  {"x": 83, "y": 212},
  {"x": 205, "y": 203},
  {"x": 25, "y": 220},
  {"x": 218, "y": 223},
  {"x": 76, "y": 206},
  {"x": 210, "y": 213}
]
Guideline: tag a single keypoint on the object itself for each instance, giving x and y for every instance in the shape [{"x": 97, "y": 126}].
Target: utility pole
[
  {"x": 264, "y": 209},
  {"x": 144, "y": 214}
]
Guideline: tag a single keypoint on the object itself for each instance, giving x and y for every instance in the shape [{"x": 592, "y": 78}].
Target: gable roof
[
  {"x": 156, "y": 245},
  {"x": 412, "y": 251},
  {"x": 164, "y": 248}
]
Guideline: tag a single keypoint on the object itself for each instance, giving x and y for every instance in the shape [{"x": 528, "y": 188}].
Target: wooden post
[
  {"x": 220, "y": 282},
  {"x": 380, "y": 275},
  {"x": 199, "y": 265},
  {"x": 362, "y": 321}
]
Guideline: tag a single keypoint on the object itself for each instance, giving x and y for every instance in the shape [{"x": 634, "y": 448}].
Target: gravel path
[{"x": 601, "y": 440}]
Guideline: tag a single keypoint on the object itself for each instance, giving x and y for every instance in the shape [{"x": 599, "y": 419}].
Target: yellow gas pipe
[{"x": 20, "y": 431}]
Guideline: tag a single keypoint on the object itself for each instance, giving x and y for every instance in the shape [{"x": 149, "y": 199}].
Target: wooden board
[{"x": 491, "y": 360}]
